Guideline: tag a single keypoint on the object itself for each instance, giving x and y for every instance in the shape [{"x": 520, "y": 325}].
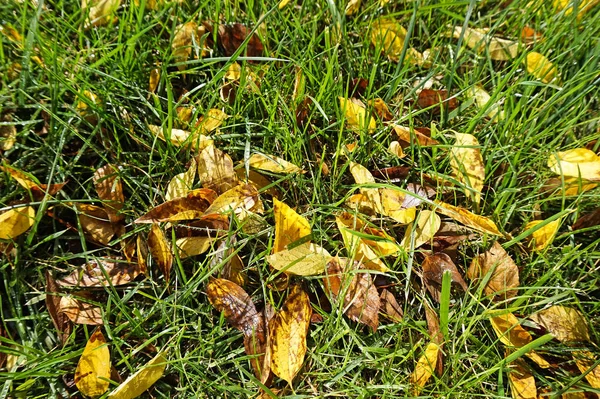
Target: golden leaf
[
  {"x": 408, "y": 137},
  {"x": 160, "y": 250},
  {"x": 389, "y": 35},
  {"x": 8, "y": 137},
  {"x": 92, "y": 376},
  {"x": 425, "y": 367},
  {"x": 541, "y": 238},
  {"x": 356, "y": 115},
  {"x": 192, "y": 246},
  {"x": 179, "y": 137},
  {"x": 522, "y": 383},
  {"x": 101, "y": 11},
  {"x": 381, "y": 242},
  {"x": 567, "y": 186},
  {"x": 215, "y": 170},
  {"x": 80, "y": 312},
  {"x": 461, "y": 215},
  {"x": 213, "y": 119},
  {"x": 110, "y": 190},
  {"x": 289, "y": 226},
  {"x": 304, "y": 260},
  {"x": 381, "y": 109},
  {"x": 192, "y": 206},
  {"x": 352, "y": 7},
  {"x": 396, "y": 149},
  {"x": 272, "y": 164},
  {"x": 540, "y": 67},
  {"x": 480, "y": 41},
  {"x": 358, "y": 248},
  {"x": 287, "y": 332},
  {"x": 181, "y": 184},
  {"x": 153, "y": 80},
  {"x": 30, "y": 183},
  {"x": 142, "y": 379},
  {"x": 259, "y": 181},
  {"x": 425, "y": 227},
  {"x": 95, "y": 222},
  {"x": 241, "y": 197},
  {"x": 504, "y": 277},
  {"x": 467, "y": 165},
  {"x": 585, "y": 360},
  {"x": 578, "y": 162},
  {"x": 564, "y": 323},
  {"x": 511, "y": 334},
  {"x": 15, "y": 222},
  {"x": 183, "y": 39}
]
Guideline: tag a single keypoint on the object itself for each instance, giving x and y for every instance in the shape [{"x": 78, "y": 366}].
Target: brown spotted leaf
[
  {"x": 110, "y": 191},
  {"x": 160, "y": 250},
  {"x": 504, "y": 277},
  {"x": 102, "y": 273},
  {"x": 215, "y": 170},
  {"x": 192, "y": 206},
  {"x": 389, "y": 307},
  {"x": 231, "y": 37},
  {"x": 79, "y": 311},
  {"x": 434, "y": 267}
]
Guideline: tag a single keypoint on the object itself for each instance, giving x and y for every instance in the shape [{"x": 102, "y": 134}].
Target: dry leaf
[
  {"x": 192, "y": 206},
  {"x": 102, "y": 273},
  {"x": 467, "y": 165},
  {"x": 480, "y": 41},
  {"x": 236, "y": 305},
  {"x": 61, "y": 322},
  {"x": 522, "y": 383},
  {"x": 95, "y": 223},
  {"x": 15, "y": 222},
  {"x": 186, "y": 35},
  {"x": 541, "y": 238},
  {"x": 425, "y": 367},
  {"x": 289, "y": 226},
  {"x": 287, "y": 332},
  {"x": 568, "y": 6},
  {"x": 27, "y": 181},
  {"x": 361, "y": 300},
  {"x": 425, "y": 227},
  {"x": 436, "y": 99},
  {"x": 396, "y": 149},
  {"x": 179, "y": 137},
  {"x": 237, "y": 199},
  {"x": 272, "y": 164},
  {"x": 153, "y": 80},
  {"x": 352, "y": 7},
  {"x": 259, "y": 181},
  {"x": 540, "y": 67},
  {"x": 483, "y": 102},
  {"x": 389, "y": 36},
  {"x": 101, "y": 12},
  {"x": 358, "y": 249},
  {"x": 381, "y": 242},
  {"x": 434, "y": 267},
  {"x": 578, "y": 162},
  {"x": 381, "y": 109},
  {"x": 232, "y": 36},
  {"x": 92, "y": 376},
  {"x": 181, "y": 184},
  {"x": 8, "y": 136},
  {"x": 110, "y": 190},
  {"x": 389, "y": 307},
  {"x": 160, "y": 250},
  {"x": 408, "y": 137},
  {"x": 192, "y": 246},
  {"x": 585, "y": 360},
  {"x": 215, "y": 170},
  {"x": 304, "y": 260},
  {"x": 210, "y": 122},
  {"x": 142, "y": 379},
  {"x": 80, "y": 312},
  {"x": 504, "y": 277},
  {"x": 564, "y": 323},
  {"x": 461, "y": 215},
  {"x": 588, "y": 220},
  {"x": 567, "y": 186},
  {"x": 357, "y": 117}
]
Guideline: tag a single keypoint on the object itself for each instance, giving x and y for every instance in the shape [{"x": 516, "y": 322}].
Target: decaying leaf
[
  {"x": 102, "y": 273},
  {"x": 588, "y": 220},
  {"x": 28, "y": 182},
  {"x": 15, "y": 222},
  {"x": 504, "y": 272},
  {"x": 272, "y": 164},
  {"x": 436, "y": 99},
  {"x": 480, "y": 41},
  {"x": 566, "y": 324},
  {"x": 541, "y": 238},
  {"x": 61, "y": 322},
  {"x": 407, "y": 137},
  {"x": 232, "y": 36},
  {"x": 92, "y": 376},
  {"x": 381, "y": 109},
  {"x": 567, "y": 186},
  {"x": 186, "y": 35},
  {"x": 192, "y": 206},
  {"x": 422, "y": 230},
  {"x": 236, "y": 305},
  {"x": 79, "y": 311},
  {"x": 388, "y": 35},
  {"x": 287, "y": 333},
  {"x": 110, "y": 190},
  {"x": 434, "y": 267},
  {"x": 289, "y": 226},
  {"x": 578, "y": 162},
  {"x": 389, "y": 307},
  {"x": 540, "y": 67},
  {"x": 307, "y": 259},
  {"x": 142, "y": 379},
  {"x": 95, "y": 223},
  {"x": 461, "y": 215},
  {"x": 8, "y": 137},
  {"x": 356, "y": 115},
  {"x": 215, "y": 170},
  {"x": 192, "y": 246},
  {"x": 160, "y": 250},
  {"x": 179, "y": 137},
  {"x": 181, "y": 184},
  {"x": 467, "y": 165},
  {"x": 239, "y": 198},
  {"x": 522, "y": 383},
  {"x": 350, "y": 279},
  {"x": 425, "y": 367},
  {"x": 101, "y": 12}
]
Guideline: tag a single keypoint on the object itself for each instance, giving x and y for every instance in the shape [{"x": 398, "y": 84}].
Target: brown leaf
[
  {"x": 102, "y": 273},
  {"x": 566, "y": 324},
  {"x": 406, "y": 137},
  {"x": 504, "y": 277},
  {"x": 95, "y": 223},
  {"x": 436, "y": 99},
  {"x": 160, "y": 250},
  {"x": 38, "y": 190},
  {"x": 215, "y": 170},
  {"x": 110, "y": 191},
  {"x": 79, "y": 311},
  {"x": 60, "y": 320},
  {"x": 192, "y": 206},
  {"x": 361, "y": 300},
  {"x": 588, "y": 220},
  {"x": 434, "y": 267},
  {"x": 390, "y": 308},
  {"x": 232, "y": 36},
  {"x": 381, "y": 109},
  {"x": 433, "y": 325}
]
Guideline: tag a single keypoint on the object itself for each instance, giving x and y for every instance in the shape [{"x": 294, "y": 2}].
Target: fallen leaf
[
  {"x": 28, "y": 182},
  {"x": 578, "y": 162},
  {"x": 567, "y": 186},
  {"x": 361, "y": 301},
  {"x": 467, "y": 165},
  {"x": 287, "y": 332},
  {"x": 192, "y": 246},
  {"x": 186, "y": 35},
  {"x": 483, "y": 102},
  {"x": 396, "y": 149},
  {"x": 408, "y": 137},
  {"x": 307, "y": 259},
  {"x": 381, "y": 242},
  {"x": 153, "y": 80},
  {"x": 240, "y": 197},
  {"x": 541, "y": 238},
  {"x": 259, "y": 181},
  {"x": 181, "y": 184},
  {"x": 425, "y": 367},
  {"x": 483, "y": 43},
  {"x": 436, "y": 99},
  {"x": 356, "y": 115},
  {"x": 192, "y": 206},
  {"x": 388, "y": 35},
  {"x": 142, "y": 379},
  {"x": 272, "y": 164},
  {"x": 434, "y": 267},
  {"x": 15, "y": 222},
  {"x": 569, "y": 6},
  {"x": 231, "y": 37},
  {"x": 230, "y": 263},
  {"x": 215, "y": 170},
  {"x": 61, "y": 322},
  {"x": 504, "y": 279},
  {"x": 92, "y": 376},
  {"x": 381, "y": 109},
  {"x": 564, "y": 323},
  {"x": 179, "y": 137},
  {"x": 585, "y": 360},
  {"x": 389, "y": 307},
  {"x": 101, "y": 12},
  {"x": 95, "y": 223},
  {"x": 160, "y": 250},
  {"x": 210, "y": 122},
  {"x": 289, "y": 226},
  {"x": 422, "y": 231},
  {"x": 540, "y": 67},
  {"x": 588, "y": 220},
  {"x": 102, "y": 273},
  {"x": 358, "y": 249},
  {"x": 110, "y": 190},
  {"x": 80, "y": 312},
  {"x": 461, "y": 215},
  {"x": 352, "y": 7},
  {"x": 522, "y": 383},
  {"x": 235, "y": 304},
  {"x": 8, "y": 137}
]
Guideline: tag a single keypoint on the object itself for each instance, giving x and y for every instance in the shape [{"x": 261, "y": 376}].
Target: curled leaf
[
  {"x": 408, "y": 137},
  {"x": 61, "y": 322},
  {"x": 578, "y": 162},
  {"x": 192, "y": 206},
  {"x": 102, "y": 273},
  {"x": 110, "y": 190}
]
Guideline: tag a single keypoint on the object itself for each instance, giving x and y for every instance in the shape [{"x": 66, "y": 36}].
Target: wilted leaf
[
  {"x": 388, "y": 35},
  {"x": 241, "y": 197},
  {"x": 236, "y": 305},
  {"x": 181, "y": 184},
  {"x": 361, "y": 300},
  {"x": 192, "y": 206},
  {"x": 110, "y": 190},
  {"x": 287, "y": 332},
  {"x": 541, "y": 238},
  {"x": 8, "y": 136},
  {"x": 483, "y": 99},
  {"x": 425, "y": 367},
  {"x": 15, "y": 222},
  {"x": 289, "y": 226},
  {"x": 102, "y": 273},
  {"x": 101, "y": 12},
  {"x": 186, "y": 35},
  {"x": 232, "y": 36},
  {"x": 210, "y": 122},
  {"x": 142, "y": 379},
  {"x": 304, "y": 260},
  {"x": 408, "y": 137},
  {"x": 467, "y": 165},
  {"x": 578, "y": 162},
  {"x": 272, "y": 164},
  {"x": 192, "y": 246},
  {"x": 480, "y": 41},
  {"x": 160, "y": 250},
  {"x": 422, "y": 231},
  {"x": 396, "y": 149},
  {"x": 95, "y": 222},
  {"x": 389, "y": 307},
  {"x": 80, "y": 312},
  {"x": 60, "y": 320},
  {"x": 356, "y": 115},
  {"x": 436, "y": 99},
  {"x": 215, "y": 170},
  {"x": 153, "y": 80},
  {"x": 179, "y": 137},
  {"x": 434, "y": 267},
  {"x": 381, "y": 109},
  {"x": 504, "y": 277},
  {"x": 522, "y": 383},
  {"x": 585, "y": 361},
  {"x": 540, "y": 67},
  {"x": 92, "y": 375},
  {"x": 566, "y": 324},
  {"x": 461, "y": 215}
]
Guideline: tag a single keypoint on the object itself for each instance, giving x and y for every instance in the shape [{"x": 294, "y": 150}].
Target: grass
[{"x": 206, "y": 356}]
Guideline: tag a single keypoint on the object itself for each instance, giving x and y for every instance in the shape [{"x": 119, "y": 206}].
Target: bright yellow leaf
[
  {"x": 541, "y": 238},
  {"x": 181, "y": 184},
  {"x": 511, "y": 334},
  {"x": 272, "y": 164},
  {"x": 540, "y": 67},
  {"x": 142, "y": 379},
  {"x": 461, "y": 215},
  {"x": 425, "y": 227},
  {"x": 425, "y": 367},
  {"x": 101, "y": 12},
  {"x": 575, "y": 163},
  {"x": 92, "y": 376},
  {"x": 467, "y": 165},
  {"x": 304, "y": 260},
  {"x": 15, "y": 222},
  {"x": 356, "y": 115},
  {"x": 289, "y": 226}
]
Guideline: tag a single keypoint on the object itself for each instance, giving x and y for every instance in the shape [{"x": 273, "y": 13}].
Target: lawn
[{"x": 330, "y": 168}]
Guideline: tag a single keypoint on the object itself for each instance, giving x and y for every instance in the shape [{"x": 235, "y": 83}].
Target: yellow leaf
[
  {"x": 564, "y": 323},
  {"x": 142, "y": 379},
  {"x": 396, "y": 149},
  {"x": 382, "y": 243},
  {"x": 8, "y": 137},
  {"x": 567, "y": 186},
  {"x": 425, "y": 367},
  {"x": 192, "y": 206},
  {"x": 160, "y": 250},
  {"x": 15, "y": 222},
  {"x": 583, "y": 6},
  {"x": 289, "y": 226},
  {"x": 461, "y": 215},
  {"x": 467, "y": 165},
  {"x": 283, "y": 3},
  {"x": 272, "y": 164},
  {"x": 406, "y": 136},
  {"x": 213, "y": 119},
  {"x": 92, "y": 376},
  {"x": 358, "y": 248},
  {"x": 179, "y": 137},
  {"x": 540, "y": 67},
  {"x": 585, "y": 360},
  {"x": 181, "y": 184},
  {"x": 243, "y": 196},
  {"x": 215, "y": 170},
  {"x": 356, "y": 115},
  {"x": 482, "y": 100},
  {"x": 511, "y": 334},
  {"x": 504, "y": 272},
  {"x": 389, "y": 35},
  {"x": 183, "y": 40},
  {"x": 352, "y": 7},
  {"x": 304, "y": 260},
  {"x": 522, "y": 383},
  {"x": 82, "y": 106},
  {"x": 101, "y": 11},
  {"x": 427, "y": 224},
  {"x": 287, "y": 333},
  {"x": 480, "y": 41},
  {"x": 542, "y": 237},
  {"x": 578, "y": 162},
  {"x": 153, "y": 80},
  {"x": 192, "y": 246}
]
